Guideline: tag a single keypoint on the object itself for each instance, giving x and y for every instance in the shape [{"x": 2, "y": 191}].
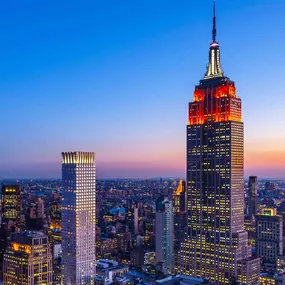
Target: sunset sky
[{"x": 116, "y": 77}]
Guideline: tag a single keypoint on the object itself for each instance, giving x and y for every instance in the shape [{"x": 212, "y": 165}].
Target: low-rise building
[
  {"x": 267, "y": 279},
  {"x": 106, "y": 248},
  {"x": 107, "y": 270},
  {"x": 280, "y": 264},
  {"x": 182, "y": 280},
  {"x": 279, "y": 279},
  {"x": 249, "y": 271}
]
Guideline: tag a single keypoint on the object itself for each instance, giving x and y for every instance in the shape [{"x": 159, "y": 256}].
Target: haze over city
[{"x": 115, "y": 77}]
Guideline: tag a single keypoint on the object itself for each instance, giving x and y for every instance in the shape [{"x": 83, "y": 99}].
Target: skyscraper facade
[
  {"x": 10, "y": 217},
  {"x": 164, "y": 232},
  {"x": 217, "y": 240},
  {"x": 11, "y": 205},
  {"x": 28, "y": 261},
  {"x": 78, "y": 217},
  {"x": 252, "y": 197},
  {"x": 269, "y": 244},
  {"x": 180, "y": 198}
]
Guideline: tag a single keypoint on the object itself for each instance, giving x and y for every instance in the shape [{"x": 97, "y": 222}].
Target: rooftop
[
  {"x": 181, "y": 280},
  {"x": 32, "y": 234},
  {"x": 109, "y": 264}
]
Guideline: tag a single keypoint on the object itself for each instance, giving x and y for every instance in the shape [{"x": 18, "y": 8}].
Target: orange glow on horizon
[{"x": 266, "y": 158}]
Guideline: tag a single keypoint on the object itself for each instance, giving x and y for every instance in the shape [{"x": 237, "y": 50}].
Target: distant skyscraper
[
  {"x": 11, "y": 205},
  {"x": 134, "y": 219},
  {"x": 269, "y": 189},
  {"x": 269, "y": 242},
  {"x": 180, "y": 215},
  {"x": 180, "y": 198},
  {"x": 164, "y": 234},
  {"x": 40, "y": 206},
  {"x": 78, "y": 217},
  {"x": 217, "y": 240},
  {"x": 28, "y": 261},
  {"x": 252, "y": 197},
  {"x": 281, "y": 212},
  {"x": 11, "y": 212}
]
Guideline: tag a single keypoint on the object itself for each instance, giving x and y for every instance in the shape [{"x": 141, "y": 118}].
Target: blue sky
[{"x": 116, "y": 77}]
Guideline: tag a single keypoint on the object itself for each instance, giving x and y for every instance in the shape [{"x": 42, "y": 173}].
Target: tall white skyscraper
[
  {"x": 78, "y": 217},
  {"x": 164, "y": 232}
]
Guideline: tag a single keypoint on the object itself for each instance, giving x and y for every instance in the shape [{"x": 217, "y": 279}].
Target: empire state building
[{"x": 217, "y": 244}]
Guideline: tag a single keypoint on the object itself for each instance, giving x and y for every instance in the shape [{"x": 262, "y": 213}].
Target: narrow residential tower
[
  {"x": 164, "y": 234},
  {"x": 78, "y": 217}
]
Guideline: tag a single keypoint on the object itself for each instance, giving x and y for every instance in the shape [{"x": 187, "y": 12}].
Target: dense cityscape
[
  {"x": 126, "y": 231},
  {"x": 213, "y": 227}
]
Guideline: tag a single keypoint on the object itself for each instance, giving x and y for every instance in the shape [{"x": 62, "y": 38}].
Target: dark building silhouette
[
  {"x": 281, "y": 212},
  {"x": 269, "y": 189},
  {"x": 137, "y": 256},
  {"x": 252, "y": 197}
]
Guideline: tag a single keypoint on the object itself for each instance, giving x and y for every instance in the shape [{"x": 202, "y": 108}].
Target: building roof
[
  {"x": 181, "y": 280},
  {"x": 32, "y": 234}
]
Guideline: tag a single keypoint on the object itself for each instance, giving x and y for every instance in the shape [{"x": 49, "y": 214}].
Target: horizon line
[{"x": 131, "y": 178}]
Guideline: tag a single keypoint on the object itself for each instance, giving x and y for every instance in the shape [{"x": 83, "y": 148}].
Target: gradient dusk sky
[{"x": 115, "y": 77}]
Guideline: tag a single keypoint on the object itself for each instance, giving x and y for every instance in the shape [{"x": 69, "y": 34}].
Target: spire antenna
[
  {"x": 214, "y": 32},
  {"x": 214, "y": 68}
]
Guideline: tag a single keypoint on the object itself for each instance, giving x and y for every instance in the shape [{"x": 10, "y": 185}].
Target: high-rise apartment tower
[
  {"x": 164, "y": 232},
  {"x": 78, "y": 217}
]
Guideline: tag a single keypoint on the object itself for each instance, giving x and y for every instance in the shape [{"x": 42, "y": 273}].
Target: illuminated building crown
[{"x": 214, "y": 68}]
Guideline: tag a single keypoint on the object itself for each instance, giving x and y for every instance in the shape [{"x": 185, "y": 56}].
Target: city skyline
[{"x": 121, "y": 77}]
